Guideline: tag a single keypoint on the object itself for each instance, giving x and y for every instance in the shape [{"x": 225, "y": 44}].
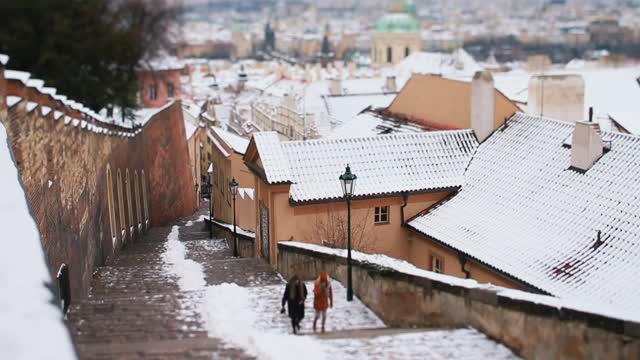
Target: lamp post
[
  {"x": 348, "y": 181},
  {"x": 210, "y": 171},
  {"x": 233, "y": 186}
]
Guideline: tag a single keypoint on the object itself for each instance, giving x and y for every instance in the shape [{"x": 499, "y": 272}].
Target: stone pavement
[{"x": 137, "y": 310}]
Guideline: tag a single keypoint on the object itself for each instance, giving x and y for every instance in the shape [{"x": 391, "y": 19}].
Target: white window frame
[{"x": 379, "y": 213}]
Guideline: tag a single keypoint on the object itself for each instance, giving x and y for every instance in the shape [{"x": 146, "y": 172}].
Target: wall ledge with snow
[{"x": 532, "y": 325}]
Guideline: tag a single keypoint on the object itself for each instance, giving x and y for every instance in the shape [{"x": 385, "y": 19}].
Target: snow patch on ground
[
  {"x": 31, "y": 325},
  {"x": 433, "y": 344},
  {"x": 230, "y": 315},
  {"x": 189, "y": 273}
]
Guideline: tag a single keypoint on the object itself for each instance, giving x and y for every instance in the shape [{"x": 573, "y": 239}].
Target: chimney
[
  {"x": 560, "y": 97},
  {"x": 483, "y": 104},
  {"x": 335, "y": 86},
  {"x": 587, "y": 145},
  {"x": 390, "y": 85}
]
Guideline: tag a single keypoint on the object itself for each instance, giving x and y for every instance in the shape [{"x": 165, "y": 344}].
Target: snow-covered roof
[
  {"x": 162, "y": 63},
  {"x": 27, "y": 309},
  {"x": 370, "y": 123},
  {"x": 344, "y": 108},
  {"x": 610, "y": 91},
  {"x": 456, "y": 64},
  {"x": 384, "y": 164},
  {"x": 190, "y": 129},
  {"x": 522, "y": 211},
  {"x": 237, "y": 143},
  {"x": 218, "y": 145}
]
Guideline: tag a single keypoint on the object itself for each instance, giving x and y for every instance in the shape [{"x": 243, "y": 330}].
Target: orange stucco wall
[
  {"x": 422, "y": 249},
  {"x": 441, "y": 103},
  {"x": 225, "y": 169}
]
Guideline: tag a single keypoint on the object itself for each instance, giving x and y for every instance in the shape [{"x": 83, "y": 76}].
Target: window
[
  {"x": 389, "y": 55},
  {"x": 437, "y": 264},
  {"x": 153, "y": 91},
  {"x": 381, "y": 215},
  {"x": 170, "y": 90}
]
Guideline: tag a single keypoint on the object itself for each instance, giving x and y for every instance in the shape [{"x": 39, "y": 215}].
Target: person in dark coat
[{"x": 294, "y": 295}]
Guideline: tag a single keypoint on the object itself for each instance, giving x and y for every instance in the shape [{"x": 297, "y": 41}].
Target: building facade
[
  {"x": 159, "y": 86},
  {"x": 226, "y": 164},
  {"x": 396, "y": 35}
]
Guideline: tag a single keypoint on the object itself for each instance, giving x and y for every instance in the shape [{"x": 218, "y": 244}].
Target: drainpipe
[
  {"x": 463, "y": 262},
  {"x": 405, "y": 197}
]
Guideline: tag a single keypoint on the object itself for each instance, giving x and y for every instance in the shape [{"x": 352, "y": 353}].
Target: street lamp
[
  {"x": 348, "y": 181},
  {"x": 233, "y": 186},
  {"x": 210, "y": 171}
]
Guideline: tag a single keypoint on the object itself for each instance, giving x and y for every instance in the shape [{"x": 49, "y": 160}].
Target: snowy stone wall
[
  {"x": 62, "y": 155},
  {"x": 529, "y": 324},
  {"x": 245, "y": 240}
]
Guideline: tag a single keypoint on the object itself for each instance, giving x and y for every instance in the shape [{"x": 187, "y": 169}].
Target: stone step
[
  {"x": 366, "y": 333},
  {"x": 193, "y": 348}
]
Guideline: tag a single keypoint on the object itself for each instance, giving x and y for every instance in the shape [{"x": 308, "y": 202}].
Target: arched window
[
  {"x": 389, "y": 55},
  {"x": 123, "y": 220},
  {"x": 127, "y": 181},
  {"x": 136, "y": 186},
  {"x": 144, "y": 200},
  {"x": 407, "y": 51},
  {"x": 112, "y": 209}
]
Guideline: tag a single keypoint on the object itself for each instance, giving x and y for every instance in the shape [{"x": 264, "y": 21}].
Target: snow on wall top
[
  {"x": 28, "y": 313},
  {"x": 21, "y": 76},
  {"x": 524, "y": 212},
  {"x": 384, "y": 164},
  {"x": 405, "y": 267}
]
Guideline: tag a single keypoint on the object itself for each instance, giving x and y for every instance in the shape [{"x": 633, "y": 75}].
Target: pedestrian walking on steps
[
  {"x": 294, "y": 295},
  {"x": 322, "y": 299}
]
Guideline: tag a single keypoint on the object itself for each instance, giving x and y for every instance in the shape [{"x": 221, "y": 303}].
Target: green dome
[
  {"x": 397, "y": 22},
  {"x": 410, "y": 8}
]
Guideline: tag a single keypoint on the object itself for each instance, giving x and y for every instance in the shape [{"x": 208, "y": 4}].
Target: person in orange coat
[{"x": 322, "y": 298}]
